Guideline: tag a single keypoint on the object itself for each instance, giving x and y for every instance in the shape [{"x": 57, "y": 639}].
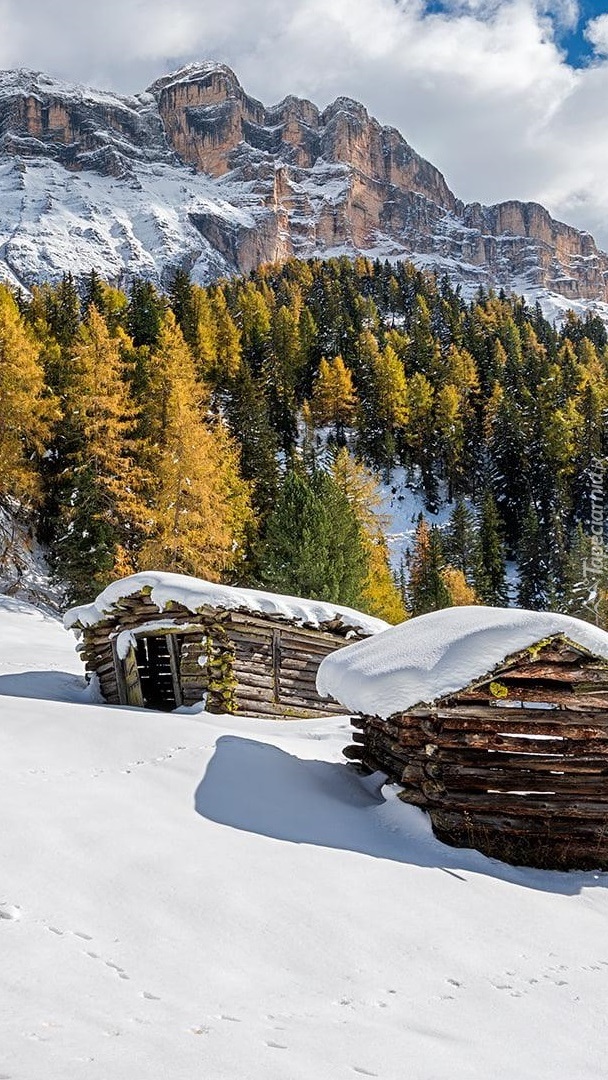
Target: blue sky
[
  {"x": 579, "y": 50},
  {"x": 571, "y": 39}
]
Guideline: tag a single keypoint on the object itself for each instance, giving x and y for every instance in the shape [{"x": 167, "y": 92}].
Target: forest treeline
[{"x": 237, "y": 432}]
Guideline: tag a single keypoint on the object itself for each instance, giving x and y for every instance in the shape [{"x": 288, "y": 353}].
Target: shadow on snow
[
  {"x": 258, "y": 788},
  {"x": 43, "y": 686}
]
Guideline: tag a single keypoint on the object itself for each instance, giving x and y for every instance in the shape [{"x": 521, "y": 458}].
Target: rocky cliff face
[{"x": 194, "y": 172}]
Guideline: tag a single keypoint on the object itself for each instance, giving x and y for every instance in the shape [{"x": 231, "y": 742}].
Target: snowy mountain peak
[
  {"x": 200, "y": 71},
  {"x": 196, "y": 173}
]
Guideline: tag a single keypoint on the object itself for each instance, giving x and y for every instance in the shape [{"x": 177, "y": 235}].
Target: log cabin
[
  {"x": 163, "y": 641},
  {"x": 493, "y": 721}
]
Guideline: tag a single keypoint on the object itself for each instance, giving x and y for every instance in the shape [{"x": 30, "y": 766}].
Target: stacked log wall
[
  {"x": 274, "y": 664},
  {"x": 525, "y": 784}
]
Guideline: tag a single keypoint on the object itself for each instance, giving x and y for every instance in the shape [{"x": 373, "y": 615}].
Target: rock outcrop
[{"x": 226, "y": 183}]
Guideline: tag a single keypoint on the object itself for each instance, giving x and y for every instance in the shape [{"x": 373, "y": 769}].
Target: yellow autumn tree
[
  {"x": 102, "y": 514},
  {"x": 26, "y": 406},
  {"x": 381, "y": 596},
  {"x": 333, "y": 397},
  {"x": 199, "y": 504},
  {"x": 460, "y": 592},
  {"x": 226, "y": 338}
]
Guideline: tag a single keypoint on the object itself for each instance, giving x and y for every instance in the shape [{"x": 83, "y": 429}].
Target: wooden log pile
[{"x": 516, "y": 767}]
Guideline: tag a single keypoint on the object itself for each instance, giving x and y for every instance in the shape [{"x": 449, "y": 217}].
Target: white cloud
[
  {"x": 596, "y": 32},
  {"x": 481, "y": 89}
]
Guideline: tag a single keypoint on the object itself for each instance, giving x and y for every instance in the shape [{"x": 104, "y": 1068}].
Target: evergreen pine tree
[
  {"x": 532, "y": 564},
  {"x": 181, "y": 299},
  {"x": 491, "y": 585},
  {"x": 461, "y": 543},
  {"x": 313, "y": 545},
  {"x": 249, "y": 423},
  {"x": 145, "y": 313},
  {"x": 427, "y": 589}
]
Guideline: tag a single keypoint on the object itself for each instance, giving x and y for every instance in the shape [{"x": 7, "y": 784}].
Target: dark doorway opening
[{"x": 158, "y": 666}]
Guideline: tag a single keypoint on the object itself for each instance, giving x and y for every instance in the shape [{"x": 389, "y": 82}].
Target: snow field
[{"x": 186, "y": 895}]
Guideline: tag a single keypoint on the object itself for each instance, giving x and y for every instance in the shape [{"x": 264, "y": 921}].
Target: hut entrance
[
  {"x": 162, "y": 669},
  {"x": 157, "y": 657}
]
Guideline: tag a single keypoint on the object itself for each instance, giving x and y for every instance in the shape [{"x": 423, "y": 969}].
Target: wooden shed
[
  {"x": 495, "y": 722},
  {"x": 163, "y": 640}
]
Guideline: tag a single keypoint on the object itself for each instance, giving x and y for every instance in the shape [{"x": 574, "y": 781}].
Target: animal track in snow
[
  {"x": 10, "y": 912},
  {"x": 362, "y": 1072}
]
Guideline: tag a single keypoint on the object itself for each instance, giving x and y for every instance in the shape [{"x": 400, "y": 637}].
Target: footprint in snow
[
  {"x": 362, "y": 1072},
  {"x": 276, "y": 1045},
  {"x": 10, "y": 912}
]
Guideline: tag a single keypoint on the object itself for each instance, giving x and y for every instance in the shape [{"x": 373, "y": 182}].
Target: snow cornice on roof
[
  {"x": 432, "y": 656},
  {"x": 194, "y": 594}
]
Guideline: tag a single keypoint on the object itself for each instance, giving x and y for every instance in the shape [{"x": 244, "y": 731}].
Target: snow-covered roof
[
  {"x": 431, "y": 656},
  {"x": 195, "y": 594}
]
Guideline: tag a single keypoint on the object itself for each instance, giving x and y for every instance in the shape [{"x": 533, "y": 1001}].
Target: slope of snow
[
  {"x": 194, "y": 594},
  {"x": 433, "y": 655},
  {"x": 193, "y": 896},
  {"x": 52, "y": 221},
  {"x": 24, "y": 570}
]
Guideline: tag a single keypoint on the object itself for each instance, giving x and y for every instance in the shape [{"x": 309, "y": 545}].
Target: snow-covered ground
[{"x": 217, "y": 897}]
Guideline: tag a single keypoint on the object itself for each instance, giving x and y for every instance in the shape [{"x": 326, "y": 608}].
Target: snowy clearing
[{"x": 219, "y": 897}]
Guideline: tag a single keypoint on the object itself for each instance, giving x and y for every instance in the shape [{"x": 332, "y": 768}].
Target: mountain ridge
[{"x": 193, "y": 172}]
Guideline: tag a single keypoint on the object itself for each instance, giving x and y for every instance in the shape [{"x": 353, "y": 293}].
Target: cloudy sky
[{"x": 509, "y": 99}]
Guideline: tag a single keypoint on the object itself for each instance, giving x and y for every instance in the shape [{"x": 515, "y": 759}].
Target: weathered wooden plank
[
  {"x": 469, "y": 779},
  {"x": 294, "y": 681},
  {"x": 567, "y": 698},
  {"x": 532, "y": 804},
  {"x": 541, "y": 762},
  {"x": 545, "y": 675},
  {"x": 276, "y": 663},
  {"x": 174, "y": 663},
  {"x": 260, "y": 667},
  {"x": 253, "y": 694},
  {"x": 300, "y": 663},
  {"x": 517, "y": 721},
  {"x": 520, "y": 825},
  {"x": 453, "y": 740},
  {"x": 246, "y": 678}
]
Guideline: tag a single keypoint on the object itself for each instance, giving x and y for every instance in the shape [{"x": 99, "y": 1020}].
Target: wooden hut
[
  {"x": 495, "y": 722},
  {"x": 162, "y": 640}
]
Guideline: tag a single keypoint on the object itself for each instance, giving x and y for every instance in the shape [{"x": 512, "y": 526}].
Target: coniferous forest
[{"x": 240, "y": 432}]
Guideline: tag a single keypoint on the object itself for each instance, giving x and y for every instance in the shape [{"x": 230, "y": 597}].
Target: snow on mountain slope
[
  {"x": 194, "y": 895},
  {"x": 196, "y": 174},
  {"x": 52, "y": 221}
]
